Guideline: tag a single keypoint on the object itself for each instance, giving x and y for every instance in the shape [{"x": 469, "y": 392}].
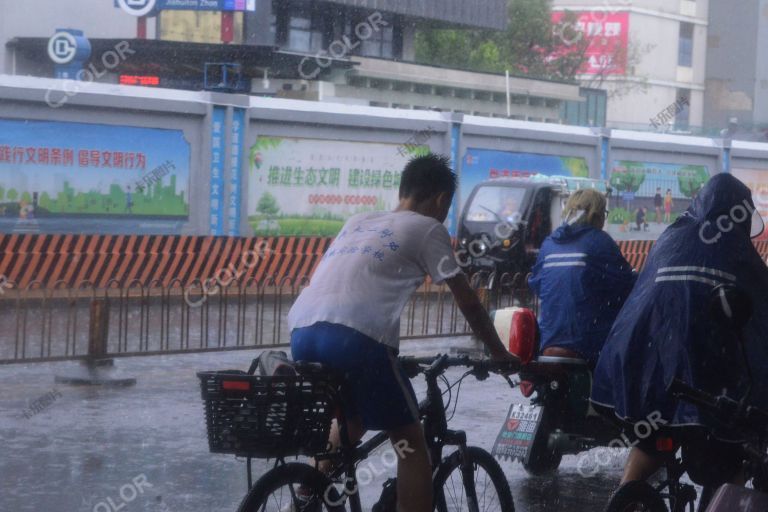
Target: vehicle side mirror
[{"x": 731, "y": 306}]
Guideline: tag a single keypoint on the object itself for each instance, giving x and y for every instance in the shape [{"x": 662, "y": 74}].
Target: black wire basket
[{"x": 268, "y": 417}]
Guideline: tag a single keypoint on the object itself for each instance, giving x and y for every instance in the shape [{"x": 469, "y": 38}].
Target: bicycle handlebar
[
  {"x": 683, "y": 391},
  {"x": 725, "y": 409},
  {"x": 436, "y": 365}
]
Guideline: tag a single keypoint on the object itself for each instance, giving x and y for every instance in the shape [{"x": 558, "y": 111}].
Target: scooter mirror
[{"x": 730, "y": 305}]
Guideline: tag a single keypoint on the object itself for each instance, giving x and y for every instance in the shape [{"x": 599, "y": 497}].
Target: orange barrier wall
[
  {"x": 70, "y": 260},
  {"x": 636, "y": 251}
]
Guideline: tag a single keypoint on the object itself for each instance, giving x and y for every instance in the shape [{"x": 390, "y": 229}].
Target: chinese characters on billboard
[
  {"x": 76, "y": 177},
  {"x": 607, "y": 37},
  {"x": 311, "y": 187}
]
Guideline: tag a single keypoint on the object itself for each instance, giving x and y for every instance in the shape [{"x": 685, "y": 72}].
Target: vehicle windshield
[{"x": 496, "y": 204}]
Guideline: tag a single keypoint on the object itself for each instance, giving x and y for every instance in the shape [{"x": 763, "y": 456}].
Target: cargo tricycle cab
[
  {"x": 504, "y": 223},
  {"x": 505, "y": 220}
]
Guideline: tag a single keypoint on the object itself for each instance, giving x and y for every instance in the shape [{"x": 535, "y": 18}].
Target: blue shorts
[{"x": 378, "y": 391}]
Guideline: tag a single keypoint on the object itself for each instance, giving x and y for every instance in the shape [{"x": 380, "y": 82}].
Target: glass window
[
  {"x": 492, "y": 204},
  {"x": 685, "y": 50},
  {"x": 298, "y": 34},
  {"x": 683, "y": 111},
  {"x": 374, "y": 43},
  {"x": 305, "y": 33}
]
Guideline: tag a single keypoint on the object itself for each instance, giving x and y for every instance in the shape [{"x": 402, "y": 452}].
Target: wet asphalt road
[{"x": 76, "y": 454}]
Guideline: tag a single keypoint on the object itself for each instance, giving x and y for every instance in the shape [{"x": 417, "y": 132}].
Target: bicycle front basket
[{"x": 267, "y": 417}]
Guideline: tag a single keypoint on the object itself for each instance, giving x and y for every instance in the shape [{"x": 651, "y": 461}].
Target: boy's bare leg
[
  {"x": 414, "y": 470},
  {"x": 640, "y": 466},
  {"x": 354, "y": 431}
]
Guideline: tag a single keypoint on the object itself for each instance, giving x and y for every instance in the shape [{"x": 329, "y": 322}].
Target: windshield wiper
[{"x": 498, "y": 218}]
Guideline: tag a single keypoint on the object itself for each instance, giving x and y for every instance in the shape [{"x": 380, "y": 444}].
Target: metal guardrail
[{"x": 56, "y": 323}]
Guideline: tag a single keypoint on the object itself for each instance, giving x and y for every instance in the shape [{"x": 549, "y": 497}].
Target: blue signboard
[
  {"x": 236, "y": 165},
  {"x": 217, "y": 171},
  {"x": 68, "y": 49},
  {"x": 628, "y": 196},
  {"x": 62, "y": 177},
  {"x": 451, "y": 222},
  {"x": 207, "y": 5},
  {"x": 151, "y": 7},
  {"x": 486, "y": 164}
]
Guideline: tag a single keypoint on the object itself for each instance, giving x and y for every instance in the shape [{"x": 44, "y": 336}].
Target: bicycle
[
  {"x": 639, "y": 495},
  {"x": 301, "y": 409}
]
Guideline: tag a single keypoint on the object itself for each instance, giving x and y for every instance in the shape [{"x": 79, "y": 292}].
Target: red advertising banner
[{"x": 607, "y": 35}]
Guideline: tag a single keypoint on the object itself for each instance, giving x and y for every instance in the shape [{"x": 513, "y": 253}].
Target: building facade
[
  {"x": 649, "y": 56},
  {"x": 357, "y": 52},
  {"x": 737, "y": 67}
]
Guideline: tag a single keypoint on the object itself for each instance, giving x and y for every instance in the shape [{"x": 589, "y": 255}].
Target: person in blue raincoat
[
  {"x": 581, "y": 279},
  {"x": 665, "y": 332}
]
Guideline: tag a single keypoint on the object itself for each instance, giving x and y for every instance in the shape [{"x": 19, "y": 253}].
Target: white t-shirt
[{"x": 370, "y": 271}]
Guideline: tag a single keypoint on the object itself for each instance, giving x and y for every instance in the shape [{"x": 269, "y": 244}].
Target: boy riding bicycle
[{"x": 348, "y": 318}]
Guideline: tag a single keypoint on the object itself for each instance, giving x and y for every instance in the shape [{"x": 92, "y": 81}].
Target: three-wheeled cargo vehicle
[{"x": 505, "y": 221}]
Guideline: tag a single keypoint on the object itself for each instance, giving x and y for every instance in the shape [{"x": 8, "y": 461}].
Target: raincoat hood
[
  {"x": 723, "y": 195},
  {"x": 568, "y": 233}
]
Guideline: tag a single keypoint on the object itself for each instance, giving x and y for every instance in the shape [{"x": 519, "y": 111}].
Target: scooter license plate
[
  {"x": 485, "y": 262},
  {"x": 515, "y": 440}
]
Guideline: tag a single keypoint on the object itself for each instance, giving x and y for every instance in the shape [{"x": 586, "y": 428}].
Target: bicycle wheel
[
  {"x": 293, "y": 487},
  {"x": 636, "y": 496},
  {"x": 479, "y": 485}
]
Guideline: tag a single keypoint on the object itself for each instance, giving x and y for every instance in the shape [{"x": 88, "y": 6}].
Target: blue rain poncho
[
  {"x": 582, "y": 280},
  {"x": 665, "y": 330}
]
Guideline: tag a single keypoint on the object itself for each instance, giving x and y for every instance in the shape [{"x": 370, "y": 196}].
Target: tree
[
  {"x": 267, "y": 205},
  {"x": 628, "y": 177},
  {"x": 530, "y": 45},
  {"x": 45, "y": 201},
  {"x": 2, "y": 193},
  {"x": 691, "y": 178},
  {"x": 12, "y": 195}
]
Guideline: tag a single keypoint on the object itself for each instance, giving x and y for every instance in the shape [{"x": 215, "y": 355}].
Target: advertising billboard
[
  {"x": 607, "y": 38},
  {"x": 647, "y": 197},
  {"x": 486, "y": 164},
  {"x": 151, "y": 7},
  {"x": 757, "y": 181},
  {"x": 310, "y": 187},
  {"x": 65, "y": 177}
]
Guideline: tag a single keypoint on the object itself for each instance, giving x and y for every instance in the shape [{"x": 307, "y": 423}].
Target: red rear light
[
  {"x": 236, "y": 385},
  {"x": 522, "y": 335},
  {"x": 526, "y": 388},
  {"x": 665, "y": 444}
]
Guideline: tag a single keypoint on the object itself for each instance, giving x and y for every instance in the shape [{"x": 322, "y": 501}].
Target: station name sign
[
  {"x": 151, "y": 7},
  {"x": 208, "y": 5}
]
